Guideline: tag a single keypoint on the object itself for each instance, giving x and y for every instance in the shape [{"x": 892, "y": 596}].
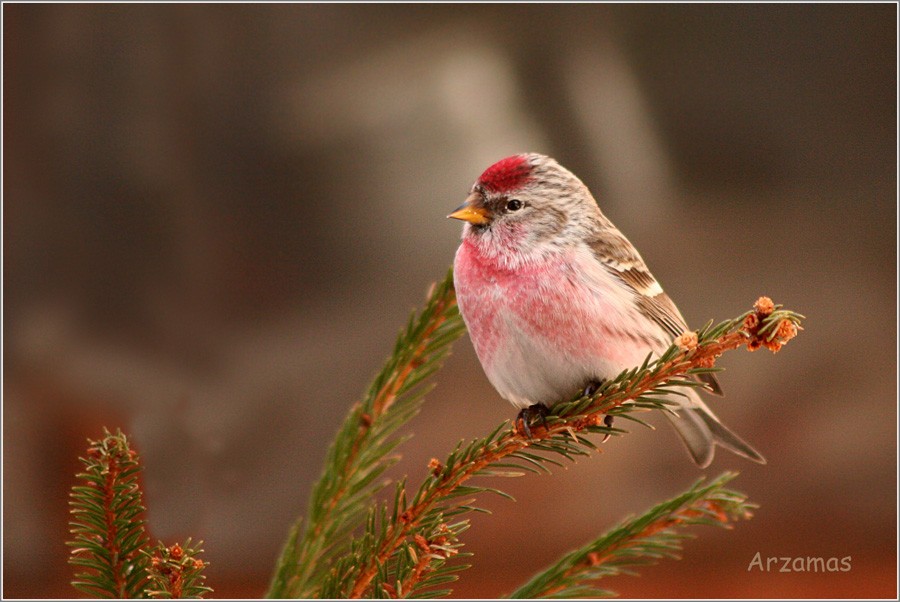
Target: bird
[{"x": 557, "y": 300}]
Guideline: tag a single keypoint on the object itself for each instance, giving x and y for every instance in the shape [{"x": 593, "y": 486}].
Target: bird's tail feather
[
  {"x": 700, "y": 431},
  {"x": 723, "y": 436},
  {"x": 695, "y": 434}
]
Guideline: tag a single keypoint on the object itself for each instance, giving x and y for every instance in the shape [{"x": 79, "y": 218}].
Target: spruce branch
[
  {"x": 107, "y": 521},
  {"x": 380, "y": 556},
  {"x": 639, "y": 541},
  {"x": 362, "y": 449},
  {"x": 176, "y": 571}
]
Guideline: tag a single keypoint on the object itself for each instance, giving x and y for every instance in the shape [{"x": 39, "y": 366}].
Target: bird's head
[{"x": 527, "y": 198}]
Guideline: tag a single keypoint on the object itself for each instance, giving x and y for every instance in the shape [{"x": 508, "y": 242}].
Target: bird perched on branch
[{"x": 556, "y": 299}]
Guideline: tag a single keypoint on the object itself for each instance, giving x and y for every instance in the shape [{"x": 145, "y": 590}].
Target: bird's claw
[
  {"x": 526, "y": 415},
  {"x": 592, "y": 387},
  {"x": 607, "y": 422}
]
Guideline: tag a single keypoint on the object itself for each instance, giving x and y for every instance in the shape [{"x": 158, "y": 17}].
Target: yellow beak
[{"x": 469, "y": 212}]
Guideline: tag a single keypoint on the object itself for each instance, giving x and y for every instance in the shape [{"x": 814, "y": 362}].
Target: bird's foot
[
  {"x": 526, "y": 415},
  {"x": 592, "y": 387},
  {"x": 607, "y": 422}
]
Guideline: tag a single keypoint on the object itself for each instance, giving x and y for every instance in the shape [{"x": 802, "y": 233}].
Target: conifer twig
[
  {"x": 107, "y": 521},
  {"x": 361, "y": 450},
  {"x": 364, "y": 570},
  {"x": 638, "y": 541},
  {"x": 111, "y": 541},
  {"x": 176, "y": 571}
]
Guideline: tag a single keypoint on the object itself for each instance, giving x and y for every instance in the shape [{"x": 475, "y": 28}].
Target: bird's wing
[{"x": 618, "y": 255}]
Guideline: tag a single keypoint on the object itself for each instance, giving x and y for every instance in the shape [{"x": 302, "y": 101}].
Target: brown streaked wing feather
[
  {"x": 638, "y": 279},
  {"x": 662, "y": 309},
  {"x": 619, "y": 256},
  {"x": 615, "y": 252},
  {"x": 664, "y": 312}
]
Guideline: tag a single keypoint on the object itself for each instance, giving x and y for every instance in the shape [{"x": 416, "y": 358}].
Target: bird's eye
[{"x": 513, "y": 205}]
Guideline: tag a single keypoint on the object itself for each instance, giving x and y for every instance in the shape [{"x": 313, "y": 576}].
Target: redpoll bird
[{"x": 556, "y": 299}]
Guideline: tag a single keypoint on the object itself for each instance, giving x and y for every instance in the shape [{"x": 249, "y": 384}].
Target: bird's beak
[{"x": 472, "y": 211}]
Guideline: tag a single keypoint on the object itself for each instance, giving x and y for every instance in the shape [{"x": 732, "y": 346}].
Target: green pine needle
[
  {"x": 638, "y": 541},
  {"x": 378, "y": 561},
  {"x": 361, "y": 451},
  {"x": 107, "y": 523},
  {"x": 353, "y": 546},
  {"x": 176, "y": 571}
]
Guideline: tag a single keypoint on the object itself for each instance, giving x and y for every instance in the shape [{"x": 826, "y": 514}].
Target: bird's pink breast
[{"x": 545, "y": 300}]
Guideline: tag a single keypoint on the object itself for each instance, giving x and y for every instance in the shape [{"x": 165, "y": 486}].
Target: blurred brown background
[{"x": 217, "y": 217}]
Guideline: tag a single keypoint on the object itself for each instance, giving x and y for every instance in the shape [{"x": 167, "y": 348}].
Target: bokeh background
[{"x": 217, "y": 218}]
